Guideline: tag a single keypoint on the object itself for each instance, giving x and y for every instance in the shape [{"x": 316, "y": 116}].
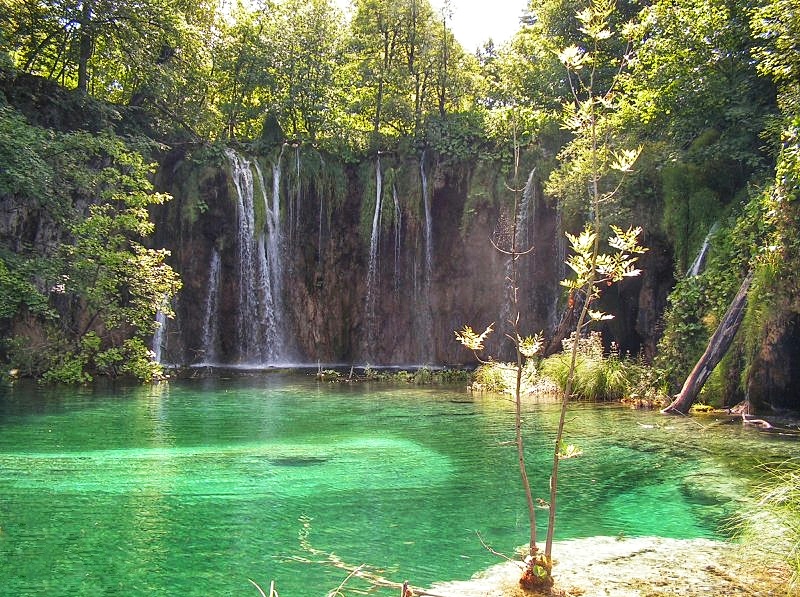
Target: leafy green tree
[
  {"x": 81, "y": 282},
  {"x": 590, "y": 160},
  {"x": 100, "y": 46},
  {"x": 396, "y": 47},
  {"x": 244, "y": 63},
  {"x": 311, "y": 45}
]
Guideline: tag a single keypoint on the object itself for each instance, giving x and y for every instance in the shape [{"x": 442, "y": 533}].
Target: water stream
[
  {"x": 398, "y": 238},
  {"x": 373, "y": 264},
  {"x": 426, "y": 204},
  {"x": 159, "y": 336},
  {"x": 191, "y": 488},
  {"x": 259, "y": 317},
  {"x": 211, "y": 311},
  {"x": 699, "y": 263}
]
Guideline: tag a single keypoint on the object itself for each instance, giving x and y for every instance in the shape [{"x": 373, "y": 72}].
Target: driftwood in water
[{"x": 717, "y": 347}]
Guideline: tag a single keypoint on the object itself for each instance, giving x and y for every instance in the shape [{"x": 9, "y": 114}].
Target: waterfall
[
  {"x": 699, "y": 263},
  {"x": 423, "y": 314},
  {"x": 426, "y": 202},
  {"x": 274, "y": 241},
  {"x": 373, "y": 278},
  {"x": 320, "y": 251},
  {"x": 527, "y": 213},
  {"x": 398, "y": 230},
  {"x": 159, "y": 335},
  {"x": 209, "y": 343},
  {"x": 561, "y": 244},
  {"x": 560, "y": 265},
  {"x": 260, "y": 268},
  {"x": 294, "y": 198}
]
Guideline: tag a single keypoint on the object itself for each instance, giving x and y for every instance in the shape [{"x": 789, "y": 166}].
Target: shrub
[
  {"x": 772, "y": 529},
  {"x": 597, "y": 377},
  {"x": 492, "y": 377}
]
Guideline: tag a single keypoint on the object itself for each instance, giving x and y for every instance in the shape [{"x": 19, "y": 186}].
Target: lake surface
[{"x": 193, "y": 487}]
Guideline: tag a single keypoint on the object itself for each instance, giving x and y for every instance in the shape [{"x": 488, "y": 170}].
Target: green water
[{"x": 191, "y": 488}]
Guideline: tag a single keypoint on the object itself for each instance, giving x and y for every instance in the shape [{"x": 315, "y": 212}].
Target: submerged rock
[{"x": 632, "y": 567}]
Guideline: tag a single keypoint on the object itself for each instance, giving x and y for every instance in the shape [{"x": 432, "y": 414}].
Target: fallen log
[{"x": 718, "y": 345}]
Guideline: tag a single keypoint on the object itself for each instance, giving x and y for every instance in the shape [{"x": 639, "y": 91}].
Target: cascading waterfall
[
  {"x": 426, "y": 202},
  {"x": 424, "y": 317},
  {"x": 320, "y": 228},
  {"x": 561, "y": 262},
  {"x": 249, "y": 347},
  {"x": 699, "y": 263},
  {"x": 527, "y": 214},
  {"x": 273, "y": 242},
  {"x": 373, "y": 278},
  {"x": 159, "y": 335},
  {"x": 524, "y": 220},
  {"x": 260, "y": 268},
  {"x": 295, "y": 195},
  {"x": 209, "y": 344},
  {"x": 398, "y": 231}
]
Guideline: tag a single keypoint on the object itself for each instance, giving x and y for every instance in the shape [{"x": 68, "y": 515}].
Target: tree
[
  {"x": 396, "y": 47},
  {"x": 310, "y": 45},
  {"x": 89, "y": 287},
  {"x": 244, "y": 61},
  {"x": 589, "y": 159},
  {"x": 99, "y": 46},
  {"x": 151, "y": 54}
]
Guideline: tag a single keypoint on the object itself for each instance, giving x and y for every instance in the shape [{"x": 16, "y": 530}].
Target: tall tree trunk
[
  {"x": 718, "y": 345},
  {"x": 86, "y": 42}
]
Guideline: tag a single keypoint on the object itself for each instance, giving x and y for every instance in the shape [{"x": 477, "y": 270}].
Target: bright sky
[{"x": 475, "y": 21}]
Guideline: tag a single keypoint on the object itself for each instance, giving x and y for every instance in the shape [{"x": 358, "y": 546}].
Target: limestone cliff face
[{"x": 385, "y": 288}]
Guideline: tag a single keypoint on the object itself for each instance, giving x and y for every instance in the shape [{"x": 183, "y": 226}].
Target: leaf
[
  {"x": 624, "y": 160},
  {"x": 599, "y": 315},
  {"x": 530, "y": 345},
  {"x": 572, "y": 57},
  {"x": 471, "y": 339},
  {"x": 567, "y": 451}
]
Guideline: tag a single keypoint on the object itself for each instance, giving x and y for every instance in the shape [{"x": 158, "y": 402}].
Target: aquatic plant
[{"x": 771, "y": 530}]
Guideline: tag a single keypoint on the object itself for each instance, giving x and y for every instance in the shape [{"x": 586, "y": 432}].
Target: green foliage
[
  {"x": 458, "y": 138},
  {"x": 690, "y": 207},
  {"x": 18, "y": 292},
  {"x": 95, "y": 288},
  {"x": 68, "y": 368},
  {"x": 596, "y": 377},
  {"x": 25, "y": 172},
  {"x": 471, "y": 340},
  {"x": 133, "y": 359},
  {"x": 494, "y": 377},
  {"x": 500, "y": 378},
  {"x": 698, "y": 303},
  {"x": 770, "y": 530}
]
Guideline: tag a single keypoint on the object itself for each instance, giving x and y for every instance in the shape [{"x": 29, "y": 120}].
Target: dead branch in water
[{"x": 369, "y": 574}]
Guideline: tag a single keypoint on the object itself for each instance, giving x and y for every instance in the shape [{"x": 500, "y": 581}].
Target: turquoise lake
[{"x": 193, "y": 487}]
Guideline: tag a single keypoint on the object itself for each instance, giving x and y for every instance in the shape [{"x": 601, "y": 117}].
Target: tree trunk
[
  {"x": 717, "y": 347},
  {"x": 85, "y": 46}
]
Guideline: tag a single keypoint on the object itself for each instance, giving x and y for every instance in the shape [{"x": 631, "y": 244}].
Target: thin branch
[
  {"x": 338, "y": 590},
  {"x": 513, "y": 253},
  {"x": 492, "y": 551},
  {"x": 372, "y": 576},
  {"x": 259, "y": 589}
]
